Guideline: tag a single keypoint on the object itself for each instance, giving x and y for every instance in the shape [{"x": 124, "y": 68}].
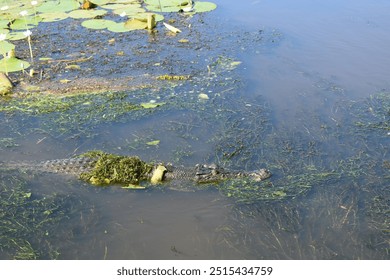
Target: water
[{"x": 326, "y": 53}]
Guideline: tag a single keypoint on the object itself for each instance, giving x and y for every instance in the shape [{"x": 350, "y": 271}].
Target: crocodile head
[
  {"x": 260, "y": 175},
  {"x": 213, "y": 173}
]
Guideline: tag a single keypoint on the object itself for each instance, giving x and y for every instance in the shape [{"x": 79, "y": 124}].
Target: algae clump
[{"x": 115, "y": 169}]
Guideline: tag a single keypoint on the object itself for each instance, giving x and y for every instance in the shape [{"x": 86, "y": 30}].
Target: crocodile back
[{"x": 73, "y": 166}]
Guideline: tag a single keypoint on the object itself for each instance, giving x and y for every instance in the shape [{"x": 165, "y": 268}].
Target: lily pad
[
  {"x": 4, "y": 31},
  {"x": 129, "y": 10},
  {"x": 52, "y": 17},
  {"x": 115, "y": 6},
  {"x": 135, "y": 24},
  {"x": 6, "y": 47},
  {"x": 86, "y": 13},
  {"x": 127, "y": 1},
  {"x": 201, "y": 7},
  {"x": 17, "y": 35},
  {"x": 167, "y": 6},
  {"x": 4, "y": 23},
  {"x": 100, "y": 2},
  {"x": 96, "y": 23},
  {"x": 13, "y": 64},
  {"x": 58, "y": 6},
  {"x": 117, "y": 27},
  {"x": 168, "y": 9},
  {"x": 167, "y": 3},
  {"x": 144, "y": 16},
  {"x": 25, "y": 23}
]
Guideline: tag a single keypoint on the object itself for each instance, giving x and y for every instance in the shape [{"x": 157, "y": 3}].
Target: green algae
[
  {"x": 116, "y": 169},
  {"x": 8, "y": 142},
  {"x": 373, "y": 114},
  {"x": 68, "y": 114}
]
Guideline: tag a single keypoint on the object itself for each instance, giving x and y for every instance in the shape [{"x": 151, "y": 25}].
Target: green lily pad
[
  {"x": 144, "y": 16},
  {"x": 169, "y": 9},
  {"x": 135, "y": 24},
  {"x": 17, "y": 35},
  {"x": 100, "y": 2},
  {"x": 104, "y": 23},
  {"x": 117, "y": 27},
  {"x": 25, "y": 23},
  {"x": 86, "y": 13},
  {"x": 4, "y": 31},
  {"x": 115, "y": 6},
  {"x": 201, "y": 7},
  {"x": 52, "y": 17},
  {"x": 58, "y": 6},
  {"x": 167, "y": 3},
  {"x": 4, "y": 23},
  {"x": 127, "y": 1},
  {"x": 96, "y": 23},
  {"x": 6, "y": 47},
  {"x": 129, "y": 10},
  {"x": 13, "y": 10},
  {"x": 13, "y": 64},
  {"x": 167, "y": 6}
]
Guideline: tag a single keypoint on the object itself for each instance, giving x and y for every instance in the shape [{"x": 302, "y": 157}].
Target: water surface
[{"x": 321, "y": 56}]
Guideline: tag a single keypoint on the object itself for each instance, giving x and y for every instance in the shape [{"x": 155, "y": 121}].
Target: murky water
[{"x": 327, "y": 53}]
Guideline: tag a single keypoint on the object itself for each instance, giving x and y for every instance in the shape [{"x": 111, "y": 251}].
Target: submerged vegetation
[{"x": 33, "y": 224}]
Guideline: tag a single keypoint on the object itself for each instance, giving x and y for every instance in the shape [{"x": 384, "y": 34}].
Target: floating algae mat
[{"x": 115, "y": 169}]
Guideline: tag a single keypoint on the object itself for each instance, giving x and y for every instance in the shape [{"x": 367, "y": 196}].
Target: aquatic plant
[
  {"x": 137, "y": 14},
  {"x": 32, "y": 224},
  {"x": 28, "y": 34},
  {"x": 116, "y": 169},
  {"x": 2, "y": 38}
]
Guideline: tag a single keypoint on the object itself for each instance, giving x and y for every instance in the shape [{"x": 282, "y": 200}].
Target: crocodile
[{"x": 101, "y": 168}]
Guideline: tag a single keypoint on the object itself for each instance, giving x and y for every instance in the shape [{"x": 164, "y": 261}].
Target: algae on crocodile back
[{"x": 115, "y": 169}]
